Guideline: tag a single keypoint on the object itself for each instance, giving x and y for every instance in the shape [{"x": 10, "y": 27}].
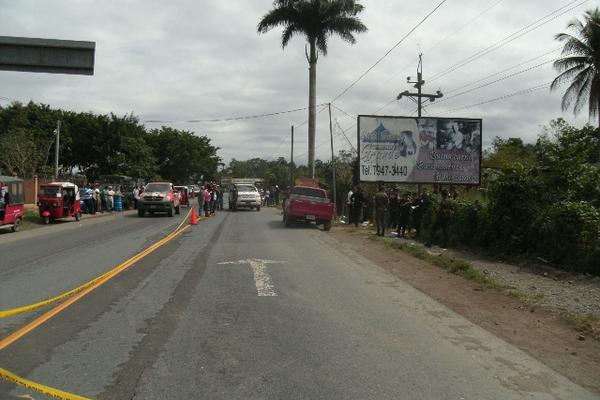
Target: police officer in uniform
[{"x": 382, "y": 203}]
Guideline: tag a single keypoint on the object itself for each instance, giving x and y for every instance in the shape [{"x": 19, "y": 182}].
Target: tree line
[{"x": 99, "y": 144}]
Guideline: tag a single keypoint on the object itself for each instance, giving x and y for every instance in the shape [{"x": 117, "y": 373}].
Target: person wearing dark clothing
[
  {"x": 219, "y": 198},
  {"x": 276, "y": 192},
  {"x": 382, "y": 204},
  {"x": 404, "y": 208},
  {"x": 418, "y": 207},
  {"x": 394, "y": 201},
  {"x": 358, "y": 201},
  {"x": 442, "y": 219}
]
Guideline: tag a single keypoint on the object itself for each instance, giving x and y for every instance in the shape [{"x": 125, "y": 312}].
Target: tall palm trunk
[{"x": 312, "y": 100}]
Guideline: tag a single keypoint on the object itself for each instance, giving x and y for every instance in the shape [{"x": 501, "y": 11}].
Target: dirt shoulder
[{"x": 565, "y": 343}]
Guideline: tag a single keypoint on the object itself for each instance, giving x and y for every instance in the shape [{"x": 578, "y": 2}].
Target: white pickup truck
[{"x": 244, "y": 195}]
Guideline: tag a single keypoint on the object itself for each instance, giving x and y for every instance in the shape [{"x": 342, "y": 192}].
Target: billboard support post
[
  {"x": 332, "y": 157},
  {"x": 292, "y": 159}
]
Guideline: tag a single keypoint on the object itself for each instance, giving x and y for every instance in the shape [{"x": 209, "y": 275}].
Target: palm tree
[
  {"x": 317, "y": 20},
  {"x": 581, "y": 64}
]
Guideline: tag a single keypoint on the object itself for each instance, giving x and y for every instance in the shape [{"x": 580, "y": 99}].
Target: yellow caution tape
[
  {"x": 47, "y": 390},
  {"x": 38, "y": 387},
  {"x": 43, "y": 303}
]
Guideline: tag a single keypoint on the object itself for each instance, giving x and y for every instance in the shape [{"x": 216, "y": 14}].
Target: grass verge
[
  {"x": 31, "y": 219},
  {"x": 450, "y": 264}
]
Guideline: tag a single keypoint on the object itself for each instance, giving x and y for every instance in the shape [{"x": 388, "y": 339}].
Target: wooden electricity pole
[{"x": 418, "y": 97}]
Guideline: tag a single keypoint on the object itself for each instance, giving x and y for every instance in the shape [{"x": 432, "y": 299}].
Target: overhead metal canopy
[{"x": 47, "y": 55}]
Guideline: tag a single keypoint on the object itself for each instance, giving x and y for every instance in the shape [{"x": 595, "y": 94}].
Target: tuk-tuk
[
  {"x": 12, "y": 208},
  {"x": 59, "y": 200},
  {"x": 184, "y": 195}
]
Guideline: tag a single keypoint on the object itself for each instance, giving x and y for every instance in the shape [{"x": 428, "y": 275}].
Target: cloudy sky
[{"x": 198, "y": 59}]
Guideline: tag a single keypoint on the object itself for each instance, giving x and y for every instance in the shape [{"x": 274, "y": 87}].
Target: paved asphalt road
[{"x": 204, "y": 318}]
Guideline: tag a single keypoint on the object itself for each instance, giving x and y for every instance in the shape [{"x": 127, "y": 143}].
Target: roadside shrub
[
  {"x": 465, "y": 224},
  {"x": 515, "y": 200},
  {"x": 568, "y": 233}
]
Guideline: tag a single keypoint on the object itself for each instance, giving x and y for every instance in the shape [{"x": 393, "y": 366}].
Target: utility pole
[
  {"x": 419, "y": 86},
  {"x": 56, "y": 151},
  {"x": 292, "y": 160},
  {"x": 332, "y": 157},
  {"x": 419, "y": 95}
]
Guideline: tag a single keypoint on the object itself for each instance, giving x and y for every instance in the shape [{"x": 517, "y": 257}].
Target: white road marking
[{"x": 262, "y": 279}]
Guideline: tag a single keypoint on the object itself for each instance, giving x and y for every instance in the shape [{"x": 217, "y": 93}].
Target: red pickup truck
[
  {"x": 158, "y": 197},
  {"x": 309, "y": 204}
]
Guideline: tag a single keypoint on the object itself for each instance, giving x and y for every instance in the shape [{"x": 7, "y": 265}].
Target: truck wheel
[
  {"x": 15, "y": 227},
  {"x": 327, "y": 226},
  {"x": 171, "y": 211},
  {"x": 288, "y": 221},
  {"x": 141, "y": 213},
  {"x": 177, "y": 210}
]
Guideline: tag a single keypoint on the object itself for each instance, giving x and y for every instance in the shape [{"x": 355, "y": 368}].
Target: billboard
[{"x": 419, "y": 150}]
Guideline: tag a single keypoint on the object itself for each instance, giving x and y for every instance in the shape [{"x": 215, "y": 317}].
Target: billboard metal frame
[{"x": 414, "y": 117}]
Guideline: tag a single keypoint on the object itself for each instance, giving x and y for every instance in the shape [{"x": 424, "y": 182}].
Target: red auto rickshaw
[
  {"x": 184, "y": 195},
  {"x": 12, "y": 208},
  {"x": 59, "y": 200}
]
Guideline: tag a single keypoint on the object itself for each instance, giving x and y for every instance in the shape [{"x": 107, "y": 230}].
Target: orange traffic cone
[{"x": 193, "y": 217}]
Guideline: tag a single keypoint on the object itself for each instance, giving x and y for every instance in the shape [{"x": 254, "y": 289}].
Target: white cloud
[{"x": 198, "y": 59}]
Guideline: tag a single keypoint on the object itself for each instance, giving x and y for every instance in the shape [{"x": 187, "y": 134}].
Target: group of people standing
[
  {"x": 210, "y": 199},
  {"x": 270, "y": 197},
  {"x": 400, "y": 211},
  {"x": 97, "y": 199}
]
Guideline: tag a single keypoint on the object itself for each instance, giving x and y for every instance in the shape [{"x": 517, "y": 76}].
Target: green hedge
[{"x": 566, "y": 233}]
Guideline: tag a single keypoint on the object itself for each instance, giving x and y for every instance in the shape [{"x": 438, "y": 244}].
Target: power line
[
  {"x": 343, "y": 112},
  {"x": 505, "y": 70},
  {"x": 236, "y": 118},
  {"x": 337, "y": 124},
  {"x": 463, "y": 26},
  {"x": 371, "y": 93},
  {"x": 389, "y": 51},
  {"x": 492, "y": 82},
  {"x": 517, "y": 93},
  {"x": 510, "y": 38},
  {"x": 286, "y": 136}
]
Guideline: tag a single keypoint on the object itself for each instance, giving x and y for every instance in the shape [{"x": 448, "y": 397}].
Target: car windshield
[
  {"x": 246, "y": 188},
  {"x": 158, "y": 187},
  {"x": 301, "y": 191}
]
